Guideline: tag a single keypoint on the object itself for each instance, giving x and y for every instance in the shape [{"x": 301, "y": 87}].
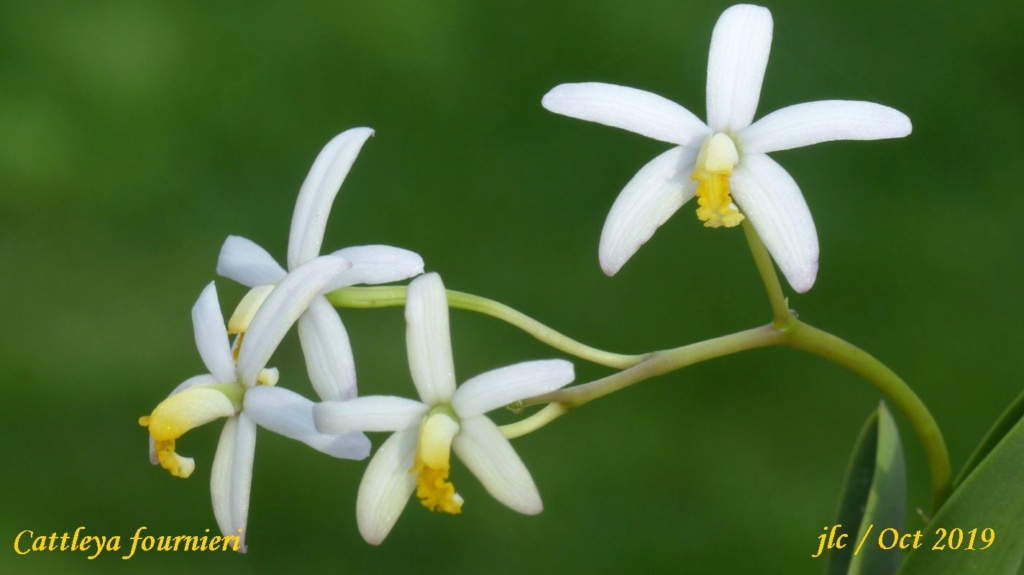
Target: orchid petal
[
  {"x": 736, "y": 63},
  {"x": 377, "y": 265},
  {"x": 212, "y": 336},
  {"x": 247, "y": 263},
  {"x": 825, "y": 121},
  {"x": 370, "y": 413},
  {"x": 428, "y": 339},
  {"x": 386, "y": 486},
  {"x": 291, "y": 415},
  {"x": 656, "y": 192},
  {"x": 486, "y": 452},
  {"x": 635, "y": 110},
  {"x": 318, "y": 192},
  {"x": 503, "y": 386},
  {"x": 231, "y": 477},
  {"x": 325, "y": 343},
  {"x": 771, "y": 199},
  {"x": 281, "y": 309}
]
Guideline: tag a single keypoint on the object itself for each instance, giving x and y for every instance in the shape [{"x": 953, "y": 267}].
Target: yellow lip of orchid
[
  {"x": 717, "y": 158},
  {"x": 185, "y": 411},
  {"x": 433, "y": 462},
  {"x": 247, "y": 309}
]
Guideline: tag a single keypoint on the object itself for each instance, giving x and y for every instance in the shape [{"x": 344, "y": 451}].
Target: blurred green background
[{"x": 134, "y": 137}]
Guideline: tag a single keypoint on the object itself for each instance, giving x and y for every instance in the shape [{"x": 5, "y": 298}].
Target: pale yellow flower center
[
  {"x": 717, "y": 158},
  {"x": 433, "y": 462},
  {"x": 244, "y": 312},
  {"x": 184, "y": 411},
  {"x": 247, "y": 309}
]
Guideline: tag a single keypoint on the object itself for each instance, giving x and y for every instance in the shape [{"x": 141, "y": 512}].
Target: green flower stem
[
  {"x": 797, "y": 335},
  {"x": 551, "y": 412},
  {"x": 810, "y": 339},
  {"x": 780, "y": 307},
  {"x": 657, "y": 363},
  {"x": 391, "y": 296},
  {"x": 823, "y": 344}
]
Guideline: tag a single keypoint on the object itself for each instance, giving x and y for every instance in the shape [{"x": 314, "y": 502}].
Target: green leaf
[
  {"x": 874, "y": 498},
  {"x": 1002, "y": 426},
  {"x": 989, "y": 501}
]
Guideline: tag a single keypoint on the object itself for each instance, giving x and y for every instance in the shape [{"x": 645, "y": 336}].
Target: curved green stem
[
  {"x": 391, "y": 296},
  {"x": 780, "y": 307},
  {"x": 797, "y": 335},
  {"x": 823, "y": 344},
  {"x": 810, "y": 339},
  {"x": 657, "y": 363}
]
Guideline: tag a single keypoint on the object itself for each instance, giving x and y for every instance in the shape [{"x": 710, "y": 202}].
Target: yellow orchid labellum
[{"x": 714, "y": 167}]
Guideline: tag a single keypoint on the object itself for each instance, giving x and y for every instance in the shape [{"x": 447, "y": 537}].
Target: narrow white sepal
[
  {"x": 428, "y": 339},
  {"x": 291, "y": 415},
  {"x": 231, "y": 476},
  {"x": 370, "y": 413},
  {"x": 281, "y": 309},
  {"x": 486, "y": 452},
  {"x": 635, "y": 110},
  {"x": 824, "y": 121},
  {"x": 656, "y": 192},
  {"x": 212, "y": 336},
  {"x": 500, "y": 387},
  {"x": 740, "y": 45},
  {"x": 771, "y": 199},
  {"x": 318, "y": 192},
  {"x": 325, "y": 344},
  {"x": 247, "y": 263},
  {"x": 377, "y": 265},
  {"x": 386, "y": 486}
]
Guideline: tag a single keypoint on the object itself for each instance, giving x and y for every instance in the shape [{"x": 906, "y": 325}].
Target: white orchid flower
[
  {"x": 417, "y": 456},
  {"x": 724, "y": 159},
  {"x": 325, "y": 342},
  {"x": 239, "y": 388}
]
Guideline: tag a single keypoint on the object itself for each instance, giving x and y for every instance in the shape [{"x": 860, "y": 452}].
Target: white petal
[
  {"x": 486, "y": 452},
  {"x": 288, "y": 413},
  {"x": 814, "y": 122},
  {"x": 647, "y": 201},
  {"x": 370, "y": 413},
  {"x": 386, "y": 486},
  {"x": 739, "y": 54},
  {"x": 771, "y": 199},
  {"x": 428, "y": 339},
  {"x": 318, "y": 192},
  {"x": 285, "y": 304},
  {"x": 500, "y": 387},
  {"x": 628, "y": 108},
  {"x": 247, "y": 263},
  {"x": 212, "y": 336},
  {"x": 332, "y": 370},
  {"x": 231, "y": 476},
  {"x": 377, "y": 265}
]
